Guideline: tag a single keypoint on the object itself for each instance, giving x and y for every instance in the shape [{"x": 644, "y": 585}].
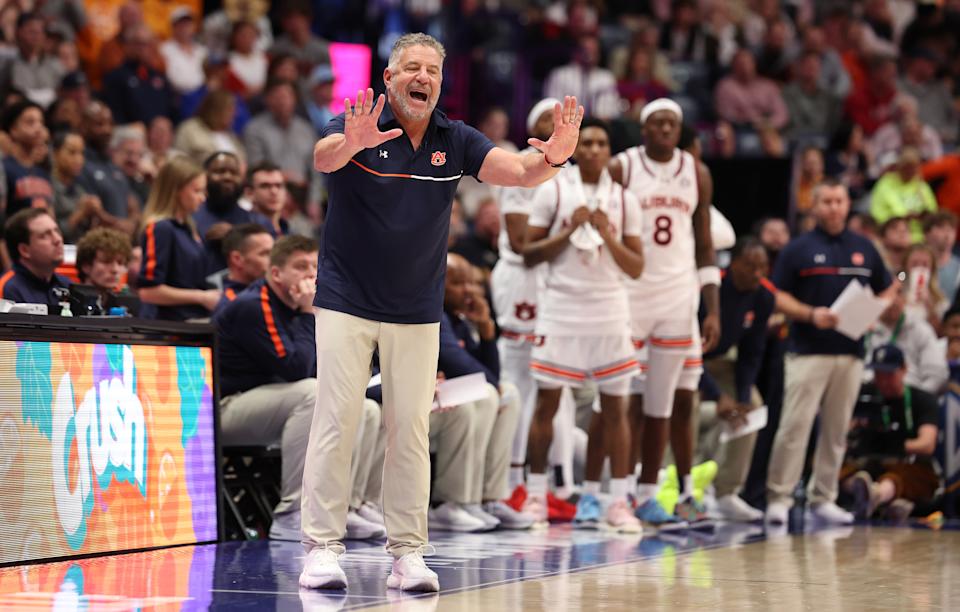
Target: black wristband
[{"x": 560, "y": 165}]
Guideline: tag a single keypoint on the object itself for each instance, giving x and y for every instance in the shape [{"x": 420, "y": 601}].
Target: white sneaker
[
  {"x": 777, "y": 513},
  {"x": 477, "y": 511},
  {"x": 509, "y": 518},
  {"x": 322, "y": 570},
  {"x": 832, "y": 514},
  {"x": 359, "y": 528},
  {"x": 449, "y": 516},
  {"x": 370, "y": 512},
  {"x": 733, "y": 508},
  {"x": 410, "y": 573},
  {"x": 286, "y": 527}
]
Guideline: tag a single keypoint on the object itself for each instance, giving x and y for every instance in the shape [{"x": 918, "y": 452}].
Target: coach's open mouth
[{"x": 420, "y": 96}]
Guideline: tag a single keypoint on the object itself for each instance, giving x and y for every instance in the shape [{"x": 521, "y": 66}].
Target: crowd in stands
[{"x": 176, "y": 154}]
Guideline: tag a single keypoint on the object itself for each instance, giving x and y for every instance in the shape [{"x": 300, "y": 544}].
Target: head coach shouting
[{"x": 393, "y": 168}]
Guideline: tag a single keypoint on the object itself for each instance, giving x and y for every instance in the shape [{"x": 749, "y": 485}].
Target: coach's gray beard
[{"x": 404, "y": 107}]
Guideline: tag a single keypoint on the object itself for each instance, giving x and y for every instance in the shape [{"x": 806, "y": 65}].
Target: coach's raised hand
[
  {"x": 360, "y": 122},
  {"x": 566, "y": 132}
]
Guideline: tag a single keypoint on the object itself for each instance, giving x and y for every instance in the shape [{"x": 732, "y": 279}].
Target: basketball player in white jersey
[
  {"x": 514, "y": 289},
  {"x": 587, "y": 228},
  {"x": 672, "y": 189}
]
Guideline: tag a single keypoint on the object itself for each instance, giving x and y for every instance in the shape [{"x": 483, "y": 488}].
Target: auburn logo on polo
[
  {"x": 857, "y": 259},
  {"x": 438, "y": 158}
]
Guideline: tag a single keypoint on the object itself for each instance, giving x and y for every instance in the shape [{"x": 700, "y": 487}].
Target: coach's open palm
[
  {"x": 360, "y": 121},
  {"x": 566, "y": 132}
]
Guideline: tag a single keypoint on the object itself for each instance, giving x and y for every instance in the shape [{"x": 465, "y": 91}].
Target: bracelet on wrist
[{"x": 553, "y": 165}]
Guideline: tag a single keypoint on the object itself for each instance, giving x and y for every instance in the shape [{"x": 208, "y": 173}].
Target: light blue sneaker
[
  {"x": 589, "y": 512},
  {"x": 652, "y": 513}
]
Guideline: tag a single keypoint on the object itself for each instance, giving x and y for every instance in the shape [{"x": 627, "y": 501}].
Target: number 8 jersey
[{"x": 668, "y": 194}]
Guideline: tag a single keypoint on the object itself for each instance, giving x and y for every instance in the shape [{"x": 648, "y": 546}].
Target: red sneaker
[
  {"x": 560, "y": 510},
  {"x": 517, "y": 498}
]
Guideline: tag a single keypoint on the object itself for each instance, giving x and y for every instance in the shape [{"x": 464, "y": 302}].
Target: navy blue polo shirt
[
  {"x": 743, "y": 323},
  {"x": 384, "y": 246},
  {"x": 263, "y": 341},
  {"x": 231, "y": 289},
  {"x": 135, "y": 92},
  {"x": 205, "y": 218},
  {"x": 26, "y": 187},
  {"x": 172, "y": 256},
  {"x": 462, "y": 354},
  {"x": 20, "y": 285},
  {"x": 815, "y": 268}
]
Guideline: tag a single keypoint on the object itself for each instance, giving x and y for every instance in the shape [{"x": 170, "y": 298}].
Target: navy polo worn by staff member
[
  {"x": 823, "y": 367},
  {"x": 267, "y": 360},
  {"x": 392, "y": 173},
  {"x": 746, "y": 303},
  {"x": 36, "y": 247}
]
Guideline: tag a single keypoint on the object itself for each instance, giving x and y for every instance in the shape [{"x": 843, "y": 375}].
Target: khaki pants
[
  {"x": 268, "y": 413},
  {"x": 827, "y": 384},
  {"x": 733, "y": 458},
  {"x": 408, "y": 360},
  {"x": 365, "y": 454},
  {"x": 472, "y": 443}
]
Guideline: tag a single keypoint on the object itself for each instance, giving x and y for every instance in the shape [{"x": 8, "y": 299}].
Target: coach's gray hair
[{"x": 412, "y": 40}]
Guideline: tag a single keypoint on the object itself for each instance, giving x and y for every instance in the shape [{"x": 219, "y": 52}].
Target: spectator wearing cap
[
  {"x": 32, "y": 70},
  {"x": 36, "y": 248},
  {"x": 823, "y": 366},
  {"x": 75, "y": 86},
  {"x": 902, "y": 192},
  {"x": 210, "y": 130},
  {"x": 892, "y": 441},
  {"x": 935, "y": 106},
  {"x": 248, "y": 63},
  {"x": 100, "y": 176},
  {"x": 280, "y": 136},
  {"x": 297, "y": 38},
  {"x": 136, "y": 91},
  {"x": 320, "y": 89},
  {"x": 27, "y": 184},
  {"x": 182, "y": 54}
]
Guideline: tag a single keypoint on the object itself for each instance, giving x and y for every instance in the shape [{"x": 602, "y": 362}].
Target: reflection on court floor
[{"x": 477, "y": 571}]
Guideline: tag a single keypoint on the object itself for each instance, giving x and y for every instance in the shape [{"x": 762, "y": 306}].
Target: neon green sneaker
[
  {"x": 703, "y": 476},
  {"x": 669, "y": 491}
]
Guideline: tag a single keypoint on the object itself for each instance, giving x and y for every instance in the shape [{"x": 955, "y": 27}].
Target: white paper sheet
[
  {"x": 756, "y": 420},
  {"x": 857, "y": 308},
  {"x": 461, "y": 390}
]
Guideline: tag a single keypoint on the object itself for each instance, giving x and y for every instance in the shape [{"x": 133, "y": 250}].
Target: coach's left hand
[
  {"x": 566, "y": 132},
  {"x": 710, "y": 330}
]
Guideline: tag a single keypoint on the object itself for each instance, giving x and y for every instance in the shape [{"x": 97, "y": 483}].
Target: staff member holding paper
[
  {"x": 823, "y": 367},
  {"x": 730, "y": 372}
]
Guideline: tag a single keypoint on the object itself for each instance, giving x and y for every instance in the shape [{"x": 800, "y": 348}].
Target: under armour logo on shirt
[{"x": 383, "y": 154}]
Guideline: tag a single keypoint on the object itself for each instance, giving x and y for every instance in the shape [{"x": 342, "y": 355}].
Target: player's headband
[
  {"x": 538, "y": 109},
  {"x": 661, "y": 104}
]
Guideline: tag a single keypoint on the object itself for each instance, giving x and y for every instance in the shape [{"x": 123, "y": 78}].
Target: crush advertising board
[{"x": 104, "y": 447}]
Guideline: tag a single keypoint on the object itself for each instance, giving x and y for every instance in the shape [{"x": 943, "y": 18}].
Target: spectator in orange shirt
[{"x": 944, "y": 173}]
